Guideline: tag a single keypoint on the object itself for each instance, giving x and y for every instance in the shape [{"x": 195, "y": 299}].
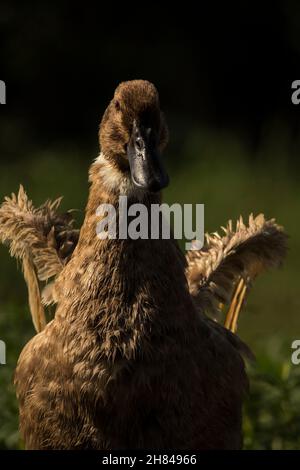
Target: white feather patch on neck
[{"x": 113, "y": 179}]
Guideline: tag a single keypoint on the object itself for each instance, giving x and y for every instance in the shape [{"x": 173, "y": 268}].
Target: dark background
[
  {"x": 224, "y": 75},
  {"x": 223, "y": 68}
]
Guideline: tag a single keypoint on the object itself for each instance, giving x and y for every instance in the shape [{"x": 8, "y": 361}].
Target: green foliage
[
  {"x": 271, "y": 415},
  {"x": 15, "y": 330}
]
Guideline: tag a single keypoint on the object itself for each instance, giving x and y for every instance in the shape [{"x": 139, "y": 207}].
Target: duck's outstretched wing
[
  {"x": 42, "y": 239},
  {"x": 223, "y": 271}
]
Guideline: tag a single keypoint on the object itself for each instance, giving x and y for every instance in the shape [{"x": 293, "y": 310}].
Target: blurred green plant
[
  {"x": 271, "y": 414},
  {"x": 15, "y": 330}
]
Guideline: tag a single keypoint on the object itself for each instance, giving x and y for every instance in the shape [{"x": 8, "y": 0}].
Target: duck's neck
[
  {"x": 111, "y": 188},
  {"x": 123, "y": 284},
  {"x": 123, "y": 259}
]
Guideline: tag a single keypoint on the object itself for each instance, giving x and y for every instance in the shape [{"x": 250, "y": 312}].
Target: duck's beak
[{"x": 147, "y": 171}]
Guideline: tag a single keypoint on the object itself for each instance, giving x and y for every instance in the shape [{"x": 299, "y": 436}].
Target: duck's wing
[
  {"x": 222, "y": 273},
  {"x": 42, "y": 239}
]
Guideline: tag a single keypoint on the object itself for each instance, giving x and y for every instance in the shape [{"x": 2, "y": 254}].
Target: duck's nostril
[{"x": 139, "y": 143}]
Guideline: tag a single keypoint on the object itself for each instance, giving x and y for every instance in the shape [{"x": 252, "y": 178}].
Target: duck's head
[{"x": 133, "y": 134}]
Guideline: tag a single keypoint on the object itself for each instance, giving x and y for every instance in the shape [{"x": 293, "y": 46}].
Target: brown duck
[{"x": 131, "y": 358}]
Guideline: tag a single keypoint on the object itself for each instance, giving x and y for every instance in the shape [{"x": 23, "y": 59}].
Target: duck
[{"x": 136, "y": 355}]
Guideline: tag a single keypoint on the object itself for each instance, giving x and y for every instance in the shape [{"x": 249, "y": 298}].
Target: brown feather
[
  {"x": 34, "y": 297},
  {"x": 214, "y": 271},
  {"x": 38, "y": 237}
]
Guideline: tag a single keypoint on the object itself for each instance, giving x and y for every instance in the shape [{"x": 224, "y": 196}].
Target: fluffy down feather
[
  {"x": 42, "y": 239},
  {"x": 227, "y": 266}
]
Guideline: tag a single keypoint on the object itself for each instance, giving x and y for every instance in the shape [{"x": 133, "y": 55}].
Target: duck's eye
[{"x": 117, "y": 105}]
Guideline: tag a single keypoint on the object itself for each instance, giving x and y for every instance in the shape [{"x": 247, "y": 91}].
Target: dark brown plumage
[{"x": 130, "y": 359}]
